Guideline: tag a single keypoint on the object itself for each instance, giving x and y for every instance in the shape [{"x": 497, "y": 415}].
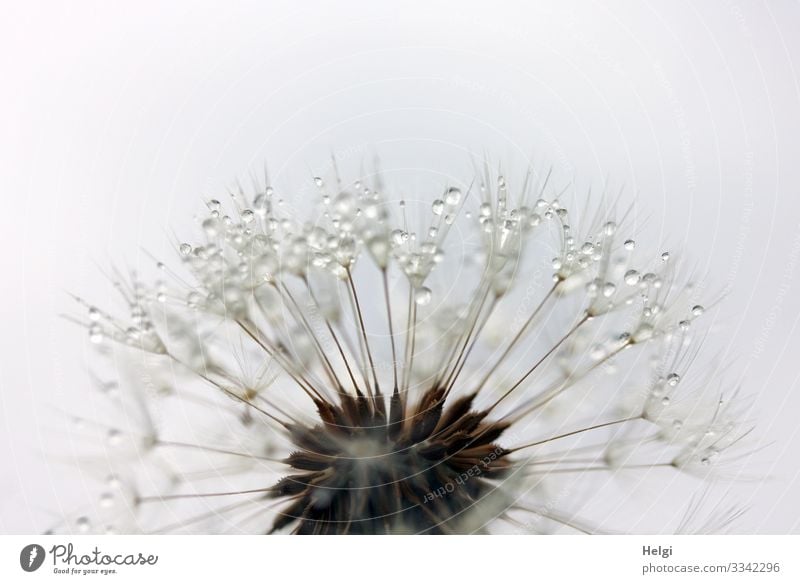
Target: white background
[{"x": 116, "y": 117}]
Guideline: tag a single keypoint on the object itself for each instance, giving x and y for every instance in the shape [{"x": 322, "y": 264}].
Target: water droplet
[
  {"x": 96, "y": 334},
  {"x": 211, "y": 227},
  {"x": 673, "y": 379},
  {"x": 94, "y": 314},
  {"x": 697, "y": 310},
  {"x": 423, "y": 295},
  {"x": 399, "y": 237},
  {"x": 665, "y": 256},
  {"x": 629, "y": 244},
  {"x": 248, "y": 216},
  {"x": 83, "y": 524},
  {"x": 609, "y": 228},
  {"x": 587, "y": 248},
  {"x": 214, "y": 205},
  {"x": 643, "y": 333},
  {"x": 665, "y": 401},
  {"x": 631, "y": 277},
  {"x": 261, "y": 204},
  {"x": 319, "y": 182},
  {"x": 609, "y": 289},
  {"x": 114, "y": 436},
  {"x": 185, "y": 249},
  {"x": 106, "y": 500},
  {"x": 453, "y": 196},
  {"x": 428, "y": 248},
  {"x": 437, "y": 207}
]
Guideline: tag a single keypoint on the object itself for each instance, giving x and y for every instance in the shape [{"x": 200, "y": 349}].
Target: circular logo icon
[{"x": 31, "y": 557}]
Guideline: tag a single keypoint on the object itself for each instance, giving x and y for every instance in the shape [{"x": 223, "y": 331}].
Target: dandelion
[{"x": 390, "y": 367}]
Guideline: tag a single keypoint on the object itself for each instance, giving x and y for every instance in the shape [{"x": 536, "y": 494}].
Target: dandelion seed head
[{"x": 372, "y": 377}]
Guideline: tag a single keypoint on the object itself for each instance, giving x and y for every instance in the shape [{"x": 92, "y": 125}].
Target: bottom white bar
[{"x": 353, "y": 560}]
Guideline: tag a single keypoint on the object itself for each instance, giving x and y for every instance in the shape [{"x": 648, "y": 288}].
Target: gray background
[{"x": 116, "y": 117}]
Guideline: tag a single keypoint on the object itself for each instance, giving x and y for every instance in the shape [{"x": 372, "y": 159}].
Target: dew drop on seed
[
  {"x": 261, "y": 204},
  {"x": 673, "y": 379},
  {"x": 684, "y": 325},
  {"x": 631, "y": 277},
  {"x": 211, "y": 227},
  {"x": 697, "y": 310},
  {"x": 629, "y": 244},
  {"x": 437, "y": 207},
  {"x": 423, "y": 295},
  {"x": 597, "y": 352},
  {"x": 609, "y": 289},
  {"x": 399, "y": 237},
  {"x": 185, "y": 249},
  {"x": 453, "y": 196},
  {"x": 114, "y": 436},
  {"x": 95, "y": 334},
  {"x": 248, "y": 216}
]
